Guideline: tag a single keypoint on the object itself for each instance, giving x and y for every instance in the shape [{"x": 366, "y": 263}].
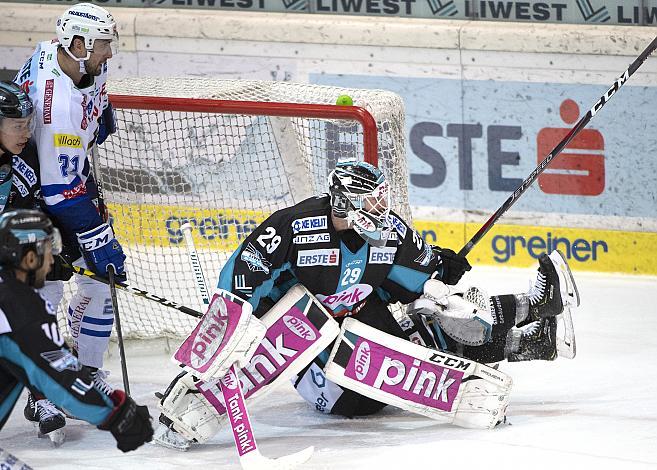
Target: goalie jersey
[
  {"x": 66, "y": 126},
  {"x": 33, "y": 354},
  {"x": 300, "y": 245}
]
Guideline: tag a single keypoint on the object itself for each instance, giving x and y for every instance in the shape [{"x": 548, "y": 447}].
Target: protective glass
[
  {"x": 18, "y": 126},
  {"x": 104, "y": 46}
]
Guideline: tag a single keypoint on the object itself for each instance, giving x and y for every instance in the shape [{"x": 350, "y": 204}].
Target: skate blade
[
  {"x": 57, "y": 437},
  {"x": 561, "y": 264},
  {"x": 566, "y": 346},
  {"x": 161, "y": 437}
]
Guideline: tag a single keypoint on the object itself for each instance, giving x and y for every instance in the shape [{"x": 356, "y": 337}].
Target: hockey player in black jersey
[
  {"x": 358, "y": 257},
  {"x": 20, "y": 188},
  {"x": 19, "y": 164},
  {"x": 33, "y": 353}
]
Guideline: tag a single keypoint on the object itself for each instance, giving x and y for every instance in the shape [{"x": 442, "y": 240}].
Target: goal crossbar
[{"x": 254, "y": 108}]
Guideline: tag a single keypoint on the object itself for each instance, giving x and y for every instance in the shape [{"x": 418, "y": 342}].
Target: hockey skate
[
  {"x": 165, "y": 436},
  {"x": 552, "y": 295},
  {"x": 99, "y": 376},
  {"x": 536, "y": 341},
  {"x": 48, "y": 420}
]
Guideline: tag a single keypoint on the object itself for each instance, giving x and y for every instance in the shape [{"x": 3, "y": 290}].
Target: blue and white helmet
[
  {"x": 90, "y": 22},
  {"x": 359, "y": 192}
]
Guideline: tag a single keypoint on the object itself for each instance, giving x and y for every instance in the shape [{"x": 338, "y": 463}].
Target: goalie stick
[
  {"x": 240, "y": 423},
  {"x": 620, "y": 81}
]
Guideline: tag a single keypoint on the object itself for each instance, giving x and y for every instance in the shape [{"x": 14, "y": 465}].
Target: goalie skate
[
  {"x": 570, "y": 298},
  {"x": 165, "y": 436}
]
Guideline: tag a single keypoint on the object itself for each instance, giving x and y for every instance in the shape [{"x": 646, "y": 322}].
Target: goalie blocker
[{"x": 438, "y": 385}]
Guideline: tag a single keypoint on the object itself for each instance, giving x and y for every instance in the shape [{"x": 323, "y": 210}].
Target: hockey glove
[
  {"x": 453, "y": 265},
  {"x": 100, "y": 250},
  {"x": 129, "y": 423},
  {"x": 106, "y": 124}
]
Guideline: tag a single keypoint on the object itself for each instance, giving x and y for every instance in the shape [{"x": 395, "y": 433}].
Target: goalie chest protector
[{"x": 300, "y": 245}]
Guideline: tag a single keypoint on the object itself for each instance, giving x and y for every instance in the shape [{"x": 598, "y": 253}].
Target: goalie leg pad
[
  {"x": 227, "y": 333},
  {"x": 298, "y": 329},
  {"x": 440, "y": 386}
]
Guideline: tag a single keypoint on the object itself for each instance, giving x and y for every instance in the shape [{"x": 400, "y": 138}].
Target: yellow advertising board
[
  {"x": 520, "y": 246},
  {"x": 505, "y": 245}
]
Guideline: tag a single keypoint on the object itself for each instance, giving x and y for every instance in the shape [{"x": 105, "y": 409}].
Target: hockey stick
[
  {"x": 104, "y": 214},
  {"x": 119, "y": 332},
  {"x": 240, "y": 423},
  {"x": 620, "y": 81},
  {"x": 138, "y": 292}
]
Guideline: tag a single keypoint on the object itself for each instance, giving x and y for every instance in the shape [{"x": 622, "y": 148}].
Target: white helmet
[{"x": 88, "y": 21}]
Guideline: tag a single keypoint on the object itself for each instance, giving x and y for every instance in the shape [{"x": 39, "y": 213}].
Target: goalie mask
[
  {"x": 359, "y": 193},
  {"x": 90, "y": 22}
]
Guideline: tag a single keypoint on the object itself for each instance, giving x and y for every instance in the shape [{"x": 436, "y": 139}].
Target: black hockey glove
[
  {"x": 129, "y": 423},
  {"x": 454, "y": 265},
  {"x": 61, "y": 270}
]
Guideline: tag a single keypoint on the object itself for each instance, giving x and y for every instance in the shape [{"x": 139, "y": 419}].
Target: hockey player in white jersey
[{"x": 65, "y": 78}]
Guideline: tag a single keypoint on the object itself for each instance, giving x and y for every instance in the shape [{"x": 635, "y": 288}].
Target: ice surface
[{"x": 596, "y": 411}]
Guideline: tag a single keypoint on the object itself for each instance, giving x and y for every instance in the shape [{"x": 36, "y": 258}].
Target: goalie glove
[{"x": 464, "y": 316}]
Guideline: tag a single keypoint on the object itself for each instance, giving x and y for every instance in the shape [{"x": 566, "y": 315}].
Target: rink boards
[{"x": 505, "y": 245}]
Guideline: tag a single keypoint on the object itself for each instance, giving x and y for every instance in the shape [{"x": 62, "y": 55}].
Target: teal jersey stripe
[
  {"x": 408, "y": 278},
  {"x": 56, "y": 393}
]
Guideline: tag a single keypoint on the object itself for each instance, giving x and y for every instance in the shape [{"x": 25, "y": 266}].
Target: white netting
[{"x": 224, "y": 173}]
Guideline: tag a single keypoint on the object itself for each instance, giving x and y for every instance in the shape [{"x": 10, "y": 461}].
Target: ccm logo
[
  {"x": 362, "y": 362},
  {"x": 299, "y": 328}
]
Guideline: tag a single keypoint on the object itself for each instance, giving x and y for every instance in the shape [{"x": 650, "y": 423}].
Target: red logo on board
[{"x": 580, "y": 168}]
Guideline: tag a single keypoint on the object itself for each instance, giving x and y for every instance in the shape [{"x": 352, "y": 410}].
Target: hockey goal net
[{"x": 223, "y": 155}]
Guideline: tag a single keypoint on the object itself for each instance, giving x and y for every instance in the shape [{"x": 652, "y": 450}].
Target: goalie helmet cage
[{"x": 223, "y": 155}]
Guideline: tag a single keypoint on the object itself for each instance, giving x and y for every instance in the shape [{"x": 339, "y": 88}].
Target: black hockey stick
[
  {"x": 138, "y": 292},
  {"x": 119, "y": 331},
  {"x": 104, "y": 215},
  {"x": 620, "y": 81}
]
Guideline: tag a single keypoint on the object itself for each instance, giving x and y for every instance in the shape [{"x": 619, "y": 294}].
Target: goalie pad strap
[{"x": 428, "y": 382}]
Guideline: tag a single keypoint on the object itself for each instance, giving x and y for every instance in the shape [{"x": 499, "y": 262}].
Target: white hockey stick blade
[{"x": 256, "y": 461}]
